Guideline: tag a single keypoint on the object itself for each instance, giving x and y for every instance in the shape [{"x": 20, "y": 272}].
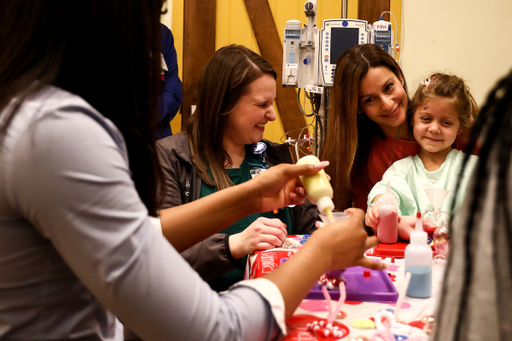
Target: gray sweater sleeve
[
  {"x": 210, "y": 257},
  {"x": 71, "y": 181}
]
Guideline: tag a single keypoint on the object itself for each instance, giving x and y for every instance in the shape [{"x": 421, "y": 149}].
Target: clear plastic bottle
[
  {"x": 418, "y": 261},
  {"x": 387, "y": 229},
  {"x": 442, "y": 241},
  {"x": 318, "y": 187}
]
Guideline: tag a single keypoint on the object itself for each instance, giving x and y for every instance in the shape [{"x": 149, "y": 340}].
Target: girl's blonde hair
[{"x": 449, "y": 87}]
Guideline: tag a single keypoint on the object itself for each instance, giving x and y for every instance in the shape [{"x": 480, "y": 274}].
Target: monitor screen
[
  {"x": 385, "y": 34},
  {"x": 295, "y": 32},
  {"x": 341, "y": 40}
]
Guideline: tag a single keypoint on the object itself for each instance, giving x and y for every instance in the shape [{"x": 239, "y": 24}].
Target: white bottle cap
[
  {"x": 323, "y": 203},
  {"x": 388, "y": 198},
  {"x": 419, "y": 238}
]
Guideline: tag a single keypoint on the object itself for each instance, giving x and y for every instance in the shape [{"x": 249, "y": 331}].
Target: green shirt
[
  {"x": 238, "y": 176},
  {"x": 409, "y": 178}
]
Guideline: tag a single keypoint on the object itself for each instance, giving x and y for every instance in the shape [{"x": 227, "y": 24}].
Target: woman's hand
[
  {"x": 280, "y": 186},
  {"x": 262, "y": 234},
  {"x": 346, "y": 242}
]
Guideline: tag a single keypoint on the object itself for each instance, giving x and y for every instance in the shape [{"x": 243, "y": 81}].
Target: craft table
[{"x": 411, "y": 312}]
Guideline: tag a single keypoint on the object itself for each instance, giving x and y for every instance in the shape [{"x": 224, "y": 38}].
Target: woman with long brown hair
[
  {"x": 222, "y": 145},
  {"x": 367, "y": 128}
]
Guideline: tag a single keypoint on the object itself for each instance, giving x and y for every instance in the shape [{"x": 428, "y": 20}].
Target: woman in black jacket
[{"x": 223, "y": 146}]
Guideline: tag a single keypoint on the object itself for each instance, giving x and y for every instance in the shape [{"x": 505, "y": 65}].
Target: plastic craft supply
[
  {"x": 338, "y": 216},
  {"x": 396, "y": 250},
  {"x": 297, "y": 329},
  {"x": 377, "y": 288},
  {"x": 317, "y": 186},
  {"x": 430, "y": 324},
  {"x": 401, "y": 294},
  {"x": 418, "y": 262},
  {"x": 331, "y": 279},
  {"x": 289, "y": 245},
  {"x": 343, "y": 294},
  {"x": 437, "y": 197},
  {"x": 363, "y": 324},
  {"x": 322, "y": 329},
  {"x": 390, "y": 250},
  {"x": 441, "y": 242},
  {"x": 387, "y": 229},
  {"x": 328, "y": 331},
  {"x": 385, "y": 322}
]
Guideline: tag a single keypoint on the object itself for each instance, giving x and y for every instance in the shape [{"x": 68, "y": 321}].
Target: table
[{"x": 412, "y": 309}]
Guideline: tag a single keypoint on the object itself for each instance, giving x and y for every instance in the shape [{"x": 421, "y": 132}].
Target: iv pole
[
  {"x": 310, "y": 11},
  {"x": 322, "y": 113}
]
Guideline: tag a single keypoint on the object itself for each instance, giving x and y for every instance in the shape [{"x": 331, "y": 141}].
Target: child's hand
[
  {"x": 371, "y": 218},
  {"x": 429, "y": 226},
  {"x": 408, "y": 223},
  {"x": 405, "y": 226}
]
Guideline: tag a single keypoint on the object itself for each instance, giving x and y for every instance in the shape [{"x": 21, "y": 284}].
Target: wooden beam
[
  {"x": 271, "y": 49},
  {"x": 199, "y": 20},
  {"x": 370, "y": 10}
]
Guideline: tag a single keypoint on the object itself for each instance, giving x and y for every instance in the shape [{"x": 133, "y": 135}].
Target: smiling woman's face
[
  {"x": 382, "y": 98},
  {"x": 246, "y": 124}
]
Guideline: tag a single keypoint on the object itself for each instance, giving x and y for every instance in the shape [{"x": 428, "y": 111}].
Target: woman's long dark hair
[
  {"x": 492, "y": 131},
  {"x": 105, "y": 51}
]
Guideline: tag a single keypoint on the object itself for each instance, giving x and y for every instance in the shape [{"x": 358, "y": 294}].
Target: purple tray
[{"x": 377, "y": 288}]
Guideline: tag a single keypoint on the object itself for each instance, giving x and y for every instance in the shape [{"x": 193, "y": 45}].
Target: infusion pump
[{"x": 310, "y": 54}]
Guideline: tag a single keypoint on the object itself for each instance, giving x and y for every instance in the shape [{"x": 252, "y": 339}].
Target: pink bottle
[{"x": 387, "y": 229}]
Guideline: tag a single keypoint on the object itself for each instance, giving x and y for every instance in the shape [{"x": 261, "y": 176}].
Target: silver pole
[{"x": 344, "y": 6}]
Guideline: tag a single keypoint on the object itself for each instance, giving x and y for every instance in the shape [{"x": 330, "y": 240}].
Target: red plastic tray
[{"x": 396, "y": 250}]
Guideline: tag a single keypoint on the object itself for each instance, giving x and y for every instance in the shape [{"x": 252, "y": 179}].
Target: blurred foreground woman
[{"x": 79, "y": 85}]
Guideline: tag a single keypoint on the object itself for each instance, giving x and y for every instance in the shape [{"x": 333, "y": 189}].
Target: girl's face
[
  {"x": 436, "y": 126},
  {"x": 382, "y": 98},
  {"x": 246, "y": 123}
]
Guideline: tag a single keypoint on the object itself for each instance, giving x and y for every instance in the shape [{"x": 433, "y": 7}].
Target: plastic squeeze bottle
[
  {"x": 318, "y": 187},
  {"x": 418, "y": 261},
  {"x": 387, "y": 229}
]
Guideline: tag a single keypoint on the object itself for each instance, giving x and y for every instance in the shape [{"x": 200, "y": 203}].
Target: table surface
[{"x": 412, "y": 309}]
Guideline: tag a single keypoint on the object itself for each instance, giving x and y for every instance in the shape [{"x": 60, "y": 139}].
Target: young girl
[{"x": 442, "y": 107}]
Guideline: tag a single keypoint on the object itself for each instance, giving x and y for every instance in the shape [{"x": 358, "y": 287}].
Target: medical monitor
[{"x": 337, "y": 36}]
